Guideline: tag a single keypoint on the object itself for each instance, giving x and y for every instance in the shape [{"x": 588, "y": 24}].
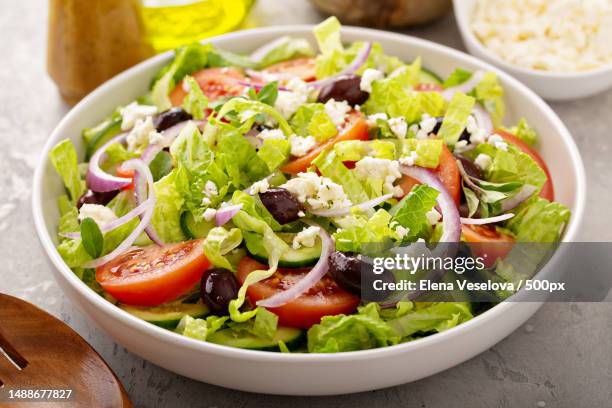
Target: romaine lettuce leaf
[
  {"x": 274, "y": 152},
  {"x": 490, "y": 94},
  {"x": 287, "y": 49},
  {"x": 355, "y": 150},
  {"x": 64, "y": 158},
  {"x": 428, "y": 151},
  {"x": 430, "y": 317},
  {"x": 331, "y": 166},
  {"x": 524, "y": 132},
  {"x": 195, "y": 101},
  {"x": 455, "y": 120},
  {"x": 168, "y": 207},
  {"x": 311, "y": 120},
  {"x": 539, "y": 220},
  {"x": 411, "y": 211},
  {"x": 358, "y": 229},
  {"x": 218, "y": 243}
]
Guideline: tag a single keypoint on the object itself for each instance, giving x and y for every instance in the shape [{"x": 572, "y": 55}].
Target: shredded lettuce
[
  {"x": 331, "y": 166},
  {"x": 168, "y": 207},
  {"x": 200, "y": 329},
  {"x": 355, "y": 150},
  {"x": 218, "y": 243},
  {"x": 274, "y": 152},
  {"x": 195, "y": 101},
  {"x": 539, "y": 220},
  {"x": 287, "y": 49},
  {"x": 327, "y": 34},
  {"x": 457, "y": 77},
  {"x": 64, "y": 158},
  {"x": 311, "y": 120},
  {"x": 430, "y": 317},
  {"x": 428, "y": 151},
  {"x": 455, "y": 120},
  {"x": 524, "y": 132},
  {"x": 358, "y": 229},
  {"x": 490, "y": 94},
  {"x": 411, "y": 211}
]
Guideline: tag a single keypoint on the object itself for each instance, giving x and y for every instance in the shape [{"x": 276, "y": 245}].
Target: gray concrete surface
[{"x": 563, "y": 358}]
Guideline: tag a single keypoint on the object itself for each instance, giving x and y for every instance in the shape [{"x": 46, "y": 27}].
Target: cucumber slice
[
  {"x": 228, "y": 337},
  {"x": 169, "y": 315},
  {"x": 193, "y": 229},
  {"x": 293, "y": 258},
  {"x": 97, "y": 136},
  {"x": 428, "y": 77}
]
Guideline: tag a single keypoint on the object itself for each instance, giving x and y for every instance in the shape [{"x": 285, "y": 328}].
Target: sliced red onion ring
[
  {"x": 261, "y": 52},
  {"x": 450, "y": 215},
  {"x": 140, "y": 168},
  {"x": 483, "y": 118},
  {"x": 483, "y": 221},
  {"x": 140, "y": 187},
  {"x": 310, "y": 279},
  {"x": 465, "y": 87},
  {"x": 98, "y": 180},
  {"x": 345, "y": 211},
  {"x": 113, "y": 224},
  {"x": 360, "y": 59},
  {"x": 169, "y": 135},
  {"x": 513, "y": 202},
  {"x": 224, "y": 214}
]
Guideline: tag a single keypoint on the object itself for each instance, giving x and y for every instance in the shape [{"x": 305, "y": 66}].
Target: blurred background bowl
[{"x": 384, "y": 13}]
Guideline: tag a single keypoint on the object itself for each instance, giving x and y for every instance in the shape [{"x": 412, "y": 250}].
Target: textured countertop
[{"x": 561, "y": 358}]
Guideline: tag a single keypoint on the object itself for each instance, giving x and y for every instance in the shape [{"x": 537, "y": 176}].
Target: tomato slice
[
  {"x": 153, "y": 275},
  {"x": 215, "y": 83},
  {"x": 126, "y": 174},
  {"x": 303, "y": 68},
  {"x": 356, "y": 129},
  {"x": 324, "y": 299},
  {"x": 487, "y": 242},
  {"x": 548, "y": 191},
  {"x": 447, "y": 171}
]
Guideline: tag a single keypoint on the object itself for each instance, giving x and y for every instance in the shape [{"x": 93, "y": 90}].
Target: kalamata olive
[
  {"x": 357, "y": 277},
  {"x": 470, "y": 168},
  {"x": 464, "y": 135},
  {"x": 219, "y": 286},
  {"x": 91, "y": 197},
  {"x": 344, "y": 88},
  {"x": 169, "y": 118},
  {"x": 283, "y": 206}
]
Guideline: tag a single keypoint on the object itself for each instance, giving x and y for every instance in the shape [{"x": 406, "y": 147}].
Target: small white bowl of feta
[{"x": 562, "y": 49}]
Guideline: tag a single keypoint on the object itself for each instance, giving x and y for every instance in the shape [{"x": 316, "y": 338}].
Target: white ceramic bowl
[
  {"x": 549, "y": 85},
  {"x": 304, "y": 374}
]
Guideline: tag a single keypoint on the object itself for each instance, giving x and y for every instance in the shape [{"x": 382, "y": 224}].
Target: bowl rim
[
  {"x": 177, "y": 340},
  {"x": 463, "y": 22}
]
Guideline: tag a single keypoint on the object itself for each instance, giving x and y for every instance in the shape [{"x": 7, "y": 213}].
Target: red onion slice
[
  {"x": 310, "y": 279},
  {"x": 465, "y": 87},
  {"x": 510, "y": 203},
  {"x": 142, "y": 169},
  {"x": 346, "y": 210},
  {"x": 360, "y": 59},
  {"x": 483, "y": 221},
  {"x": 483, "y": 118},
  {"x": 100, "y": 181},
  {"x": 450, "y": 215},
  {"x": 140, "y": 187},
  {"x": 224, "y": 214}
]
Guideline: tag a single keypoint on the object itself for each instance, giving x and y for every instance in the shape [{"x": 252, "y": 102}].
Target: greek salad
[{"x": 232, "y": 201}]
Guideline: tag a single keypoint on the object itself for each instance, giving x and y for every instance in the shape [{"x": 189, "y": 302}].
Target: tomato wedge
[
  {"x": 324, "y": 299},
  {"x": 356, "y": 129},
  {"x": 303, "y": 68},
  {"x": 447, "y": 171},
  {"x": 215, "y": 83},
  {"x": 487, "y": 242},
  {"x": 153, "y": 275},
  {"x": 548, "y": 191},
  {"x": 126, "y": 174}
]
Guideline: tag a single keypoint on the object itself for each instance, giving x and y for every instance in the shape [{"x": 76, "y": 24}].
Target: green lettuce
[
  {"x": 490, "y": 94},
  {"x": 218, "y": 243},
  {"x": 331, "y": 166},
  {"x": 411, "y": 211},
  {"x": 539, "y": 220},
  {"x": 355, "y": 150},
  {"x": 64, "y": 158},
  {"x": 524, "y": 132},
  {"x": 430, "y": 317},
  {"x": 358, "y": 229},
  {"x": 168, "y": 208},
  {"x": 274, "y": 153},
  {"x": 200, "y": 329},
  {"x": 287, "y": 49},
  {"x": 455, "y": 120},
  {"x": 428, "y": 151},
  {"x": 195, "y": 101},
  {"x": 311, "y": 120}
]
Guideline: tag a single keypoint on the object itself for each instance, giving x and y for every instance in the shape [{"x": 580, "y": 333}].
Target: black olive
[
  {"x": 470, "y": 168},
  {"x": 91, "y": 197},
  {"x": 283, "y": 206},
  {"x": 464, "y": 135},
  {"x": 169, "y": 118},
  {"x": 344, "y": 88},
  {"x": 357, "y": 277},
  {"x": 219, "y": 286}
]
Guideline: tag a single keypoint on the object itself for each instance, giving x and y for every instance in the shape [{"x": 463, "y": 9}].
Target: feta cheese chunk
[
  {"x": 402, "y": 231},
  {"x": 133, "y": 112},
  {"x": 399, "y": 127},
  {"x": 210, "y": 214},
  {"x": 317, "y": 192},
  {"x": 433, "y": 216},
  {"x": 337, "y": 111},
  {"x": 306, "y": 238},
  {"x": 141, "y": 134},
  {"x": 301, "y": 145},
  {"x": 387, "y": 170},
  {"x": 287, "y": 103},
  {"x": 100, "y": 214},
  {"x": 498, "y": 141},
  {"x": 210, "y": 189},
  {"x": 409, "y": 160},
  {"x": 271, "y": 134},
  {"x": 370, "y": 75},
  {"x": 260, "y": 186},
  {"x": 483, "y": 161}
]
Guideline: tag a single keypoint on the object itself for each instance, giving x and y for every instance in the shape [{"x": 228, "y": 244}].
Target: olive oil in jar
[{"x": 171, "y": 23}]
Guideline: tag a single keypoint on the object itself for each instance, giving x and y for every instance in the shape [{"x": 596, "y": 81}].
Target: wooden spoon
[{"x": 39, "y": 352}]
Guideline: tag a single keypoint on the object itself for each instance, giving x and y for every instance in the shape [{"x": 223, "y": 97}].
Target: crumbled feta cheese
[
  {"x": 370, "y": 75},
  {"x": 210, "y": 214},
  {"x": 433, "y": 216},
  {"x": 387, "y": 170},
  {"x": 298, "y": 86},
  {"x": 402, "y": 231},
  {"x": 471, "y": 126},
  {"x": 409, "y": 160},
  {"x": 156, "y": 138},
  {"x": 549, "y": 35},
  {"x": 483, "y": 161},
  {"x": 372, "y": 119},
  {"x": 306, "y": 237},
  {"x": 301, "y": 214},
  {"x": 133, "y": 112},
  {"x": 498, "y": 141},
  {"x": 399, "y": 127},
  {"x": 301, "y": 145},
  {"x": 317, "y": 192},
  {"x": 337, "y": 111},
  {"x": 287, "y": 103},
  {"x": 100, "y": 214},
  {"x": 140, "y": 134},
  {"x": 206, "y": 201},
  {"x": 260, "y": 186},
  {"x": 428, "y": 123},
  {"x": 210, "y": 189},
  {"x": 271, "y": 134},
  {"x": 461, "y": 146}
]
